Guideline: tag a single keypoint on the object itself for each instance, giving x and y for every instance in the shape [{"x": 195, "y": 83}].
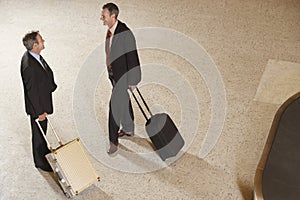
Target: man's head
[
  {"x": 109, "y": 15},
  {"x": 34, "y": 42}
]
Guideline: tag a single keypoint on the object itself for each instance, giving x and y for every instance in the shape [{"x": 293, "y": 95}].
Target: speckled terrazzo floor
[{"x": 251, "y": 43}]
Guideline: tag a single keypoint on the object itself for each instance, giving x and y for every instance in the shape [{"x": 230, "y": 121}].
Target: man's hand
[
  {"x": 132, "y": 87},
  {"x": 43, "y": 116}
]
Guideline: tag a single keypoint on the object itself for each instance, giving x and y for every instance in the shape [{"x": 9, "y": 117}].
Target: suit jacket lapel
[{"x": 32, "y": 59}]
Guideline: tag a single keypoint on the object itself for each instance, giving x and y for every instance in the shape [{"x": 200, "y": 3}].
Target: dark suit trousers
[
  {"x": 120, "y": 112},
  {"x": 39, "y": 145}
]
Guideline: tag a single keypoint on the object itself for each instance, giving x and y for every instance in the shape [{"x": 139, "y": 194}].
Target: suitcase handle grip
[
  {"x": 44, "y": 135},
  {"x": 148, "y": 109}
]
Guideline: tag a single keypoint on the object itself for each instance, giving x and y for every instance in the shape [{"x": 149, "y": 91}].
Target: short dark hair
[
  {"x": 112, "y": 8},
  {"x": 29, "y": 39}
]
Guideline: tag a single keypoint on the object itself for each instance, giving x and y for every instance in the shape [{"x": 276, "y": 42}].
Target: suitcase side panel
[
  {"x": 171, "y": 149},
  {"x": 76, "y": 166},
  {"x": 164, "y": 135},
  {"x": 161, "y": 123},
  {"x": 61, "y": 177}
]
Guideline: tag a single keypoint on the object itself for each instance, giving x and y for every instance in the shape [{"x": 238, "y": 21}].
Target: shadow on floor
[
  {"x": 246, "y": 190},
  {"x": 190, "y": 174}
]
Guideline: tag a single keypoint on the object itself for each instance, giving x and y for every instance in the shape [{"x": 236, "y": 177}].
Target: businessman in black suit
[
  {"x": 124, "y": 72},
  {"x": 38, "y": 82}
]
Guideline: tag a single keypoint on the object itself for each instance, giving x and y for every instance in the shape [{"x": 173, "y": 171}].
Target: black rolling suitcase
[{"x": 162, "y": 132}]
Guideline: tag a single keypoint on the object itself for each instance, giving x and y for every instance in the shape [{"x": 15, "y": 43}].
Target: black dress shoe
[
  {"x": 122, "y": 133},
  {"x": 113, "y": 148},
  {"x": 45, "y": 168}
]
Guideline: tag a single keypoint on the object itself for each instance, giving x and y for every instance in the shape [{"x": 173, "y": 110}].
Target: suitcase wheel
[{"x": 67, "y": 195}]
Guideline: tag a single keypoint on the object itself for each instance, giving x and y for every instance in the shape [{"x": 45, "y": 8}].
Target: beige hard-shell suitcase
[{"x": 71, "y": 165}]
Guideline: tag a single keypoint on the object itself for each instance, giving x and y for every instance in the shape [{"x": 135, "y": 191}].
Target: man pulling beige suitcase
[{"x": 70, "y": 164}]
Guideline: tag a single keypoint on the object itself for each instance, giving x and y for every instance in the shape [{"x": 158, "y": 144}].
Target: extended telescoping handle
[
  {"x": 137, "y": 101},
  {"x": 44, "y": 135}
]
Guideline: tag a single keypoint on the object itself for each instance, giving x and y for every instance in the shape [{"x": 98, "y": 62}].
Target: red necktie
[{"x": 107, "y": 47}]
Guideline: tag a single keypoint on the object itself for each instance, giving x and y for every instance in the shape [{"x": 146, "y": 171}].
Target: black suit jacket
[
  {"x": 38, "y": 86},
  {"x": 124, "y": 58}
]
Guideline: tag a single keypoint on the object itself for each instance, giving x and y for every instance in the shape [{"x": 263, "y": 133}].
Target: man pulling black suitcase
[{"x": 162, "y": 131}]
